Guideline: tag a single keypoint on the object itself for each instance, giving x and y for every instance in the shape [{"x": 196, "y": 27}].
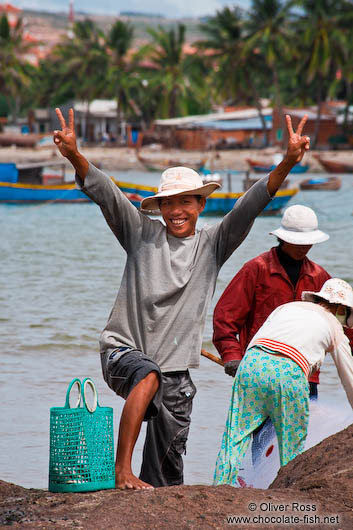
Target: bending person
[
  {"x": 272, "y": 379},
  {"x": 267, "y": 281}
]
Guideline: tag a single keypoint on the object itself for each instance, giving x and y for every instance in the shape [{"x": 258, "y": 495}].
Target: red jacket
[{"x": 260, "y": 286}]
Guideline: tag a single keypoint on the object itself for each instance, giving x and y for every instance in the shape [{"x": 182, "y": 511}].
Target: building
[
  {"x": 13, "y": 13},
  {"x": 328, "y": 128},
  {"x": 39, "y": 37},
  {"x": 221, "y": 130},
  {"x": 97, "y": 121}
]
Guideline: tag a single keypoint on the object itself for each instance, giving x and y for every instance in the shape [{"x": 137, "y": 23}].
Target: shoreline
[{"x": 124, "y": 158}]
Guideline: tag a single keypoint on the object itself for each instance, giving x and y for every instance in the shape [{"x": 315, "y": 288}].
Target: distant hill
[
  {"x": 140, "y": 21},
  {"x": 135, "y": 14}
]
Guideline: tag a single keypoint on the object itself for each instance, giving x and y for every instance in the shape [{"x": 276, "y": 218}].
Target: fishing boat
[
  {"x": 333, "y": 166},
  {"x": 29, "y": 184},
  {"x": 260, "y": 167},
  {"x": 19, "y": 140},
  {"x": 164, "y": 163},
  {"x": 321, "y": 183},
  {"x": 249, "y": 181},
  {"x": 221, "y": 203},
  {"x": 218, "y": 203}
]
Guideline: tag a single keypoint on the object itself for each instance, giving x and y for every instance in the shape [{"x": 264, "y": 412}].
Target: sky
[{"x": 168, "y": 8}]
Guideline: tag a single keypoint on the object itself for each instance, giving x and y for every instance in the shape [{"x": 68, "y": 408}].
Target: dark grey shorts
[{"x": 123, "y": 373}]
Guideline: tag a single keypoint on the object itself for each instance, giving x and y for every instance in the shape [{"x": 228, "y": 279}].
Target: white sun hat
[
  {"x": 178, "y": 181},
  {"x": 299, "y": 226},
  {"x": 334, "y": 291}
]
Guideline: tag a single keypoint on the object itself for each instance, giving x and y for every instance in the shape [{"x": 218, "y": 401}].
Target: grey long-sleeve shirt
[{"x": 168, "y": 282}]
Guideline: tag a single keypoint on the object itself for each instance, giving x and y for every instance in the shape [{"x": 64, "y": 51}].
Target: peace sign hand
[
  {"x": 297, "y": 144},
  {"x": 65, "y": 139}
]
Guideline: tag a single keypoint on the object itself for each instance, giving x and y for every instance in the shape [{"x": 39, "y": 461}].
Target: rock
[
  {"x": 324, "y": 470},
  {"x": 315, "y": 490}
]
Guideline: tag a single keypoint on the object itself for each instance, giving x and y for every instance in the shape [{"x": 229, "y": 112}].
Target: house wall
[
  {"x": 96, "y": 128},
  {"x": 328, "y": 127},
  {"x": 203, "y": 139}
]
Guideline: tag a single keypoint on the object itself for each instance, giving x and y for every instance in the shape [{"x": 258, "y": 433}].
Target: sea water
[{"x": 60, "y": 271}]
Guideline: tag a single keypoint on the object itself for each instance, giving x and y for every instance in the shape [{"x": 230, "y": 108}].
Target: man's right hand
[
  {"x": 65, "y": 140},
  {"x": 231, "y": 367}
]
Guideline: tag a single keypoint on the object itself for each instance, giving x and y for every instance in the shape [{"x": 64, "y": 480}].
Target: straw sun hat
[
  {"x": 334, "y": 291},
  {"x": 299, "y": 226},
  {"x": 178, "y": 181}
]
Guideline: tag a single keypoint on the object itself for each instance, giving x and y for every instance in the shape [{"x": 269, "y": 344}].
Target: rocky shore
[
  {"x": 313, "y": 491},
  {"x": 124, "y": 158}
]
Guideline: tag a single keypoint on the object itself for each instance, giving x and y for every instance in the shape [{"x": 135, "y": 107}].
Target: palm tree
[
  {"x": 14, "y": 73},
  {"x": 52, "y": 85},
  {"x": 323, "y": 29},
  {"x": 268, "y": 32},
  {"x": 122, "y": 77},
  {"x": 84, "y": 60},
  {"x": 347, "y": 77},
  {"x": 238, "y": 72},
  {"x": 175, "y": 80}
]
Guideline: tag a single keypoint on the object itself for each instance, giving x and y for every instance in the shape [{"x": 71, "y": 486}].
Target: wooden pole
[{"x": 212, "y": 357}]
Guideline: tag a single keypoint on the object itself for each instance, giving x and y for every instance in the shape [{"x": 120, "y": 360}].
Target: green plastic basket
[{"x": 81, "y": 443}]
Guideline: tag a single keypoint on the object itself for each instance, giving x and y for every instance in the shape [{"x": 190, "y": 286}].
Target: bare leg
[{"x": 130, "y": 426}]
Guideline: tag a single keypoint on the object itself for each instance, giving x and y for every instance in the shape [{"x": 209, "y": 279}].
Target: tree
[
  {"x": 323, "y": 28},
  {"x": 14, "y": 75},
  {"x": 176, "y": 81},
  {"x": 268, "y": 32},
  {"x": 238, "y": 72},
  {"x": 82, "y": 63},
  {"x": 122, "y": 78}
]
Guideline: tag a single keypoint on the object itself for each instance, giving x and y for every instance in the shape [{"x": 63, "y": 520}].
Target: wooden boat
[
  {"x": 28, "y": 184},
  {"x": 249, "y": 181},
  {"x": 19, "y": 140},
  {"x": 162, "y": 164},
  {"x": 321, "y": 183},
  {"x": 219, "y": 203},
  {"x": 334, "y": 166},
  {"x": 206, "y": 175},
  {"x": 260, "y": 167}
]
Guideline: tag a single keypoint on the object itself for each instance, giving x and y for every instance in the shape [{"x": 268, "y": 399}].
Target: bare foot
[{"x": 128, "y": 481}]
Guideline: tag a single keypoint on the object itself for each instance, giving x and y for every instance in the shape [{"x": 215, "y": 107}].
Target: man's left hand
[
  {"x": 297, "y": 144},
  {"x": 231, "y": 367}
]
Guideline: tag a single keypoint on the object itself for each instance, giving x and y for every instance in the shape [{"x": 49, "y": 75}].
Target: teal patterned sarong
[{"x": 266, "y": 385}]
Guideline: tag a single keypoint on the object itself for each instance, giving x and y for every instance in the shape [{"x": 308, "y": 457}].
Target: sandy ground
[{"x": 123, "y": 158}]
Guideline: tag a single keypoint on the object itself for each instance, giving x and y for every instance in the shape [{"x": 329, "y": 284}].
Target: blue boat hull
[
  {"x": 17, "y": 193},
  {"x": 220, "y": 206},
  {"x": 267, "y": 169},
  {"x": 217, "y": 204}
]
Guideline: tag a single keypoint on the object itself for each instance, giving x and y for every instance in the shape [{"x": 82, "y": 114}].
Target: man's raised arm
[
  {"x": 65, "y": 140},
  {"x": 297, "y": 145}
]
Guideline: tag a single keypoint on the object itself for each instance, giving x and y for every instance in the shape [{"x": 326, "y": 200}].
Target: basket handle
[
  {"x": 85, "y": 383},
  {"x": 77, "y": 382}
]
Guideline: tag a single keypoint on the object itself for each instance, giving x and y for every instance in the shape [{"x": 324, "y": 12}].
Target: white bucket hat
[
  {"x": 179, "y": 181},
  {"x": 299, "y": 226},
  {"x": 334, "y": 291}
]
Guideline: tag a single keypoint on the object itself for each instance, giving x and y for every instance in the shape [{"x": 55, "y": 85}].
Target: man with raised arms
[{"x": 154, "y": 332}]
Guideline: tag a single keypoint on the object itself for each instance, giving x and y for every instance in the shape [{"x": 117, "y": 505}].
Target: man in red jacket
[
  {"x": 267, "y": 281},
  {"x": 271, "y": 279}
]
